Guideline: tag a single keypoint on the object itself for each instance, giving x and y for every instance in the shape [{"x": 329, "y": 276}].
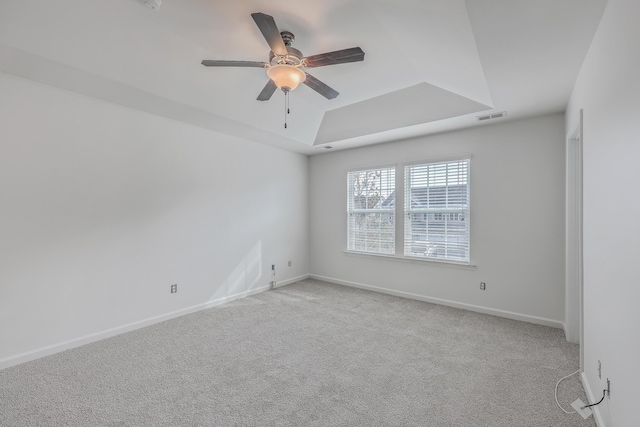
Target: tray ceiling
[{"x": 430, "y": 65}]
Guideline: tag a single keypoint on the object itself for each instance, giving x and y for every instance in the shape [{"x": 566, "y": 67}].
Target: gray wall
[
  {"x": 608, "y": 91},
  {"x": 517, "y": 221},
  {"x": 103, "y": 208}
]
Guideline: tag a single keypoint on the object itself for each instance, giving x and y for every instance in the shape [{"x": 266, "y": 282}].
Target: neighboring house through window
[
  {"x": 436, "y": 208},
  {"x": 436, "y": 211}
]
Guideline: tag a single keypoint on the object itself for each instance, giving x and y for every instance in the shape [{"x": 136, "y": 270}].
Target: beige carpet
[{"x": 307, "y": 354}]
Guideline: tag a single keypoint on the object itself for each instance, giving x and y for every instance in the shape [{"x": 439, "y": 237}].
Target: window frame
[
  {"x": 389, "y": 166},
  {"x": 400, "y": 214},
  {"x": 446, "y": 211}
]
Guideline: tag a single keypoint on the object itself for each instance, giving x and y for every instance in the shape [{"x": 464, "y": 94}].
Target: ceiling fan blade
[
  {"x": 320, "y": 87},
  {"x": 269, "y": 29},
  {"x": 216, "y": 63},
  {"x": 343, "y": 56},
  {"x": 267, "y": 91}
]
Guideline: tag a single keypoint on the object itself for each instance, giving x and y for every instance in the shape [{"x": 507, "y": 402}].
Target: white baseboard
[
  {"x": 66, "y": 345},
  {"x": 592, "y": 399},
  {"x": 567, "y": 334},
  {"x": 77, "y": 342},
  {"x": 292, "y": 280},
  {"x": 479, "y": 309}
]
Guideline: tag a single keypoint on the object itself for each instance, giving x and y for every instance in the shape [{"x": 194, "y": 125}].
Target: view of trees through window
[{"x": 371, "y": 211}]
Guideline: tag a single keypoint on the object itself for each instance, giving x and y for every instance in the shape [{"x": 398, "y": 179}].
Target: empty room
[{"x": 336, "y": 213}]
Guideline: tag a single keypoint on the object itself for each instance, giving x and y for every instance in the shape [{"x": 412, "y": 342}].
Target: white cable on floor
[{"x": 556, "y": 393}]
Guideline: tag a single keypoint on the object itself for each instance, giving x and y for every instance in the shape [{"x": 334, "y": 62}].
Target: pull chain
[{"x": 286, "y": 107}]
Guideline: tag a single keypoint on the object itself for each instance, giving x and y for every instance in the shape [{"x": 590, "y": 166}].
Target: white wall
[
  {"x": 608, "y": 89},
  {"x": 103, "y": 208},
  {"x": 517, "y": 220}
]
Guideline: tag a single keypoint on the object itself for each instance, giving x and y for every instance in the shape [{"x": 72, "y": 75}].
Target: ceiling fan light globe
[{"x": 286, "y": 76}]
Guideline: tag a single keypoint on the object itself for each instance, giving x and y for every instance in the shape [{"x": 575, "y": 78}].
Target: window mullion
[{"x": 400, "y": 219}]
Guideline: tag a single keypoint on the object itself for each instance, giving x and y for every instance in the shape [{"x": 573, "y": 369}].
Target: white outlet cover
[{"x": 577, "y": 405}]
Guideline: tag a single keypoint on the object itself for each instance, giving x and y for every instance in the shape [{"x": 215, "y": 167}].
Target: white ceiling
[{"x": 430, "y": 65}]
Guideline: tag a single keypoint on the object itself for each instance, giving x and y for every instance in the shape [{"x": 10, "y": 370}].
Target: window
[
  {"x": 371, "y": 210},
  {"x": 433, "y": 210},
  {"x": 436, "y": 208}
]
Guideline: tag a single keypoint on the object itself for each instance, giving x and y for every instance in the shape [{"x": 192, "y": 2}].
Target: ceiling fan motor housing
[
  {"x": 293, "y": 57},
  {"x": 287, "y": 37}
]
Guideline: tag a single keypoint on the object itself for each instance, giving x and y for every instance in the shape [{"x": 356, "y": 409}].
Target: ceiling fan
[{"x": 286, "y": 65}]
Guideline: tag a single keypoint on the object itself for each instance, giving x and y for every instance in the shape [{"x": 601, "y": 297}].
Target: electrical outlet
[
  {"x": 579, "y": 407},
  {"x": 608, "y": 388},
  {"x": 289, "y": 263},
  {"x": 599, "y": 370},
  {"x": 273, "y": 267},
  {"x": 174, "y": 289},
  {"x": 483, "y": 286}
]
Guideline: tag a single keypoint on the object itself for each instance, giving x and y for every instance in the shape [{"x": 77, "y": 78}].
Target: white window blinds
[
  {"x": 371, "y": 210},
  {"x": 436, "y": 207}
]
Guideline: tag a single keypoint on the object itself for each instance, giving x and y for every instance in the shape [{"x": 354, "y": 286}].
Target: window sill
[{"x": 446, "y": 264}]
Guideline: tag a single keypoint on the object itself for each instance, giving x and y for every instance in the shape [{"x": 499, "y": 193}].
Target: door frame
[{"x": 574, "y": 319}]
